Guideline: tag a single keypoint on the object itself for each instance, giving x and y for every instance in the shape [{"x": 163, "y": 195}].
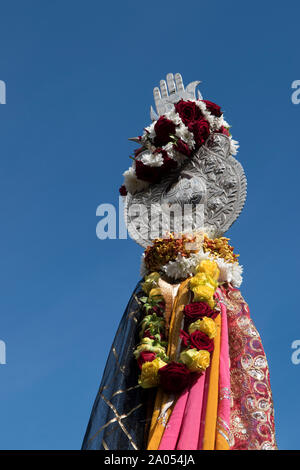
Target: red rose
[
  {"x": 174, "y": 377},
  {"x": 168, "y": 165},
  {"x": 153, "y": 174},
  {"x": 200, "y": 129},
  {"x": 145, "y": 356},
  {"x": 164, "y": 128},
  {"x": 185, "y": 338},
  {"x": 182, "y": 147},
  {"x": 188, "y": 111},
  {"x": 197, "y": 310},
  {"x": 123, "y": 190},
  {"x": 200, "y": 340},
  {"x": 213, "y": 108}
]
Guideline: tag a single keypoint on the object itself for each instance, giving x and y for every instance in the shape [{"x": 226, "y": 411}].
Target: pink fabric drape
[
  {"x": 190, "y": 428},
  {"x": 182, "y": 430},
  {"x": 185, "y": 428},
  {"x": 170, "y": 436},
  {"x": 203, "y": 411},
  {"x": 223, "y": 420}
]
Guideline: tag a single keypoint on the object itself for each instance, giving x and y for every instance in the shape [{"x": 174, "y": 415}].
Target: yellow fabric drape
[
  {"x": 221, "y": 442},
  {"x": 210, "y": 438},
  {"x": 157, "y": 427}
]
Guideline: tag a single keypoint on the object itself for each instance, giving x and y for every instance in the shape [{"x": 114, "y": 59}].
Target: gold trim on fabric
[
  {"x": 118, "y": 418},
  {"x": 117, "y": 360},
  {"x": 126, "y": 390},
  {"x": 224, "y": 429},
  {"x": 105, "y": 445}
]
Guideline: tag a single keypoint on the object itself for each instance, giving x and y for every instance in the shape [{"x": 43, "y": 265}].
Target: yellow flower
[
  {"x": 146, "y": 344},
  {"x": 204, "y": 294},
  {"x": 156, "y": 294},
  {"x": 196, "y": 361},
  {"x": 210, "y": 267},
  {"x": 206, "y": 325},
  {"x": 203, "y": 279},
  {"x": 149, "y": 375},
  {"x": 151, "y": 281}
]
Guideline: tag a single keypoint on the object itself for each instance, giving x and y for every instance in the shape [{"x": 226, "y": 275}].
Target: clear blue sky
[{"x": 79, "y": 78}]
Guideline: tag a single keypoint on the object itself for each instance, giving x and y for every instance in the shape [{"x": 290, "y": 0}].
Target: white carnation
[
  {"x": 152, "y": 159},
  {"x": 174, "y": 117},
  {"x": 184, "y": 134},
  {"x": 177, "y": 156},
  {"x": 237, "y": 278},
  {"x": 218, "y": 123},
  {"x": 149, "y": 132},
  {"x": 206, "y": 114},
  {"x": 234, "y": 146},
  {"x": 132, "y": 183},
  {"x": 211, "y": 120},
  {"x": 202, "y": 106},
  {"x": 183, "y": 267},
  {"x": 224, "y": 123},
  {"x": 230, "y": 272}
]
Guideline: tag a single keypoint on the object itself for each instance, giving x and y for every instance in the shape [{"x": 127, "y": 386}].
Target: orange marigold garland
[
  {"x": 164, "y": 250},
  {"x": 219, "y": 247}
]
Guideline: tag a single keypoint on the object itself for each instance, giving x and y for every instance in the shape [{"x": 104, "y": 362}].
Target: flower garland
[
  {"x": 175, "y": 258},
  {"x": 197, "y": 335},
  {"x": 164, "y": 250},
  {"x": 151, "y": 351},
  {"x": 172, "y": 139}
]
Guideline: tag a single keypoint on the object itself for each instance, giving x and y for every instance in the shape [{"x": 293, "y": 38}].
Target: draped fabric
[
  {"x": 252, "y": 413},
  {"x": 183, "y": 429},
  {"x": 119, "y": 413},
  {"x": 164, "y": 403},
  {"x": 229, "y": 407},
  {"x": 211, "y": 411},
  {"x": 223, "y": 420},
  {"x": 190, "y": 427}
]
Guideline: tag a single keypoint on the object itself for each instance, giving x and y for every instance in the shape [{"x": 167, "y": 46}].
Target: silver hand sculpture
[
  {"x": 170, "y": 93},
  {"x": 212, "y": 180}
]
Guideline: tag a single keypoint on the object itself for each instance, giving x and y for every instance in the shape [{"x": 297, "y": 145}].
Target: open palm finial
[{"x": 171, "y": 92}]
